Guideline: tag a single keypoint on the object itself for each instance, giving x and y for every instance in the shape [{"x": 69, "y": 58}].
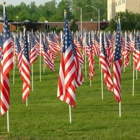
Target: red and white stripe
[
  {"x": 107, "y": 74},
  {"x": 7, "y": 65},
  {"x": 33, "y": 55},
  {"x": 66, "y": 79},
  {"x": 25, "y": 74}
]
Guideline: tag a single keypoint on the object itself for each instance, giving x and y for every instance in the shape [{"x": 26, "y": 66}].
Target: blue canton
[
  {"x": 118, "y": 43},
  {"x": 25, "y": 52}
]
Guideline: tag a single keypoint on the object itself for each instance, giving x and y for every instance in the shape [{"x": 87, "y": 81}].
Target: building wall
[
  {"x": 110, "y": 9},
  {"x": 12, "y": 27},
  {"x": 91, "y": 25},
  {"x": 133, "y": 5},
  {"x": 121, "y": 6}
]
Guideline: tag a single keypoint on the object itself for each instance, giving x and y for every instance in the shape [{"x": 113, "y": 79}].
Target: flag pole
[
  {"x": 120, "y": 113},
  {"x": 70, "y": 114},
  {"x": 8, "y": 127},
  {"x": 133, "y": 80},
  {"x": 26, "y": 101},
  {"x": 102, "y": 84},
  {"x": 90, "y": 82},
  {"x": 32, "y": 76}
]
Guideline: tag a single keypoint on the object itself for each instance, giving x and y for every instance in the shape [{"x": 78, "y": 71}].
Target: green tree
[
  {"x": 42, "y": 19},
  {"x": 74, "y": 26},
  {"x": 55, "y": 12},
  {"x": 63, "y": 5},
  {"x": 129, "y": 21}
]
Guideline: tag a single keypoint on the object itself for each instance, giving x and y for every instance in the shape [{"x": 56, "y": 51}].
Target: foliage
[
  {"x": 74, "y": 26},
  {"x": 42, "y": 19},
  {"x": 129, "y": 21},
  {"x": 52, "y": 11},
  {"x": 58, "y": 30}
]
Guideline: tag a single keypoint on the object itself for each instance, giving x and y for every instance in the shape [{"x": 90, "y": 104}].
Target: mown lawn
[{"x": 47, "y": 118}]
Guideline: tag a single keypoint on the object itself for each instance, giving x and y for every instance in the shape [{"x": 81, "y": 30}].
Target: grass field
[{"x": 47, "y": 118}]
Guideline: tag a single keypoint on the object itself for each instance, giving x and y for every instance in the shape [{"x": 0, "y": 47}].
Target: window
[
  {"x": 123, "y": 1},
  {"x": 119, "y": 2}
]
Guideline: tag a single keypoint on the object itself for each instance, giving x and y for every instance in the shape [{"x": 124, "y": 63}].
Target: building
[
  {"x": 110, "y": 9},
  {"x": 114, "y": 6},
  {"x": 89, "y": 25}
]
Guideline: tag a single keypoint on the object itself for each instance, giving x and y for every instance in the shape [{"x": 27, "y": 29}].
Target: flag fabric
[
  {"x": 66, "y": 80},
  {"x": 109, "y": 49},
  {"x": 54, "y": 47},
  {"x": 33, "y": 53},
  {"x": 127, "y": 51},
  {"x": 96, "y": 46},
  {"x": 37, "y": 46},
  {"x": 117, "y": 65},
  {"x": 90, "y": 57},
  {"x": 25, "y": 69},
  {"x": 19, "y": 53},
  {"x": 79, "y": 43},
  {"x": 47, "y": 55},
  {"x": 79, "y": 61},
  {"x": 105, "y": 65},
  {"x": 7, "y": 65},
  {"x": 136, "y": 53}
]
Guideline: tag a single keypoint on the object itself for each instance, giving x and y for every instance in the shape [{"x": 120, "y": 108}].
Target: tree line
[{"x": 52, "y": 11}]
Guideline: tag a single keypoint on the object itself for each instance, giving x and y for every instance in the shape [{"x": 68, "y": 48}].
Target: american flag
[
  {"x": 96, "y": 45},
  {"x": 109, "y": 49},
  {"x": 79, "y": 60},
  {"x": 37, "y": 42},
  {"x": 25, "y": 69},
  {"x": 105, "y": 65},
  {"x": 19, "y": 53},
  {"x": 47, "y": 55},
  {"x": 33, "y": 53},
  {"x": 90, "y": 57},
  {"x": 127, "y": 51},
  {"x": 117, "y": 65},
  {"x": 79, "y": 42},
  {"x": 7, "y": 65},
  {"x": 66, "y": 79},
  {"x": 136, "y": 53},
  {"x": 53, "y": 45}
]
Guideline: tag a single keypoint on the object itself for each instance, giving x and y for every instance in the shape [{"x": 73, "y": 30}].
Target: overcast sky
[{"x": 17, "y": 2}]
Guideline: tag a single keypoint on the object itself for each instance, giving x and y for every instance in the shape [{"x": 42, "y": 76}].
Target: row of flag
[{"x": 27, "y": 46}]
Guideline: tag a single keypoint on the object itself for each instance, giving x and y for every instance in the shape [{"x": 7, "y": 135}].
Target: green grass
[{"x": 47, "y": 118}]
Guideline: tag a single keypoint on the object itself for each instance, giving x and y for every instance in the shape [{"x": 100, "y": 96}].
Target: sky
[{"x": 17, "y": 2}]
